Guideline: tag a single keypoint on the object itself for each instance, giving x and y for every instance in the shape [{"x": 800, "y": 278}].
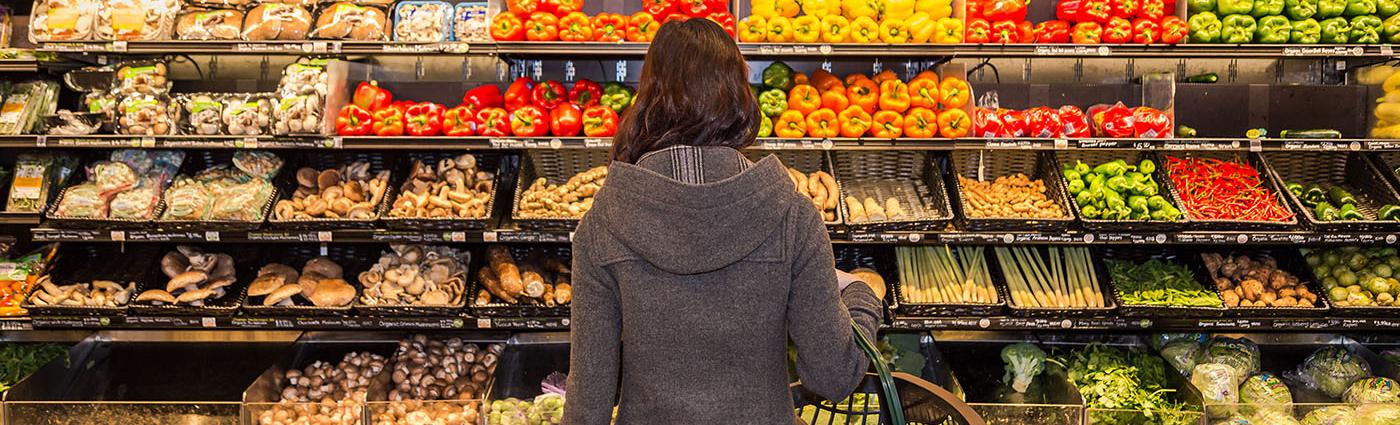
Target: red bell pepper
[
  {"x": 1026, "y": 31},
  {"x": 483, "y": 96},
  {"x": 519, "y": 93},
  {"x": 986, "y": 123},
  {"x": 585, "y": 93},
  {"x": 542, "y": 26},
  {"x": 507, "y": 26},
  {"x": 1118, "y": 30},
  {"x": 725, "y": 20},
  {"x": 529, "y": 121},
  {"x": 522, "y": 7},
  {"x": 1004, "y": 10},
  {"x": 1146, "y": 31},
  {"x": 659, "y": 9},
  {"x": 642, "y": 27},
  {"x": 370, "y": 97},
  {"x": 493, "y": 122},
  {"x": 1075, "y": 122},
  {"x": 609, "y": 27},
  {"x": 1013, "y": 122},
  {"x": 1152, "y": 9},
  {"x": 1173, "y": 29},
  {"x": 565, "y": 120},
  {"x": 1055, "y": 31},
  {"x": 978, "y": 31},
  {"x": 549, "y": 94},
  {"x": 1151, "y": 123},
  {"x": 459, "y": 122},
  {"x": 694, "y": 8},
  {"x": 354, "y": 121},
  {"x": 388, "y": 122},
  {"x": 1042, "y": 121},
  {"x": 717, "y": 5},
  {"x": 675, "y": 17},
  {"x": 1070, "y": 10},
  {"x": 424, "y": 119},
  {"x": 599, "y": 121},
  {"x": 1122, "y": 8},
  {"x": 1095, "y": 11},
  {"x": 974, "y": 10},
  {"x": 1005, "y": 32},
  {"x": 1086, "y": 33},
  {"x": 1112, "y": 121}
]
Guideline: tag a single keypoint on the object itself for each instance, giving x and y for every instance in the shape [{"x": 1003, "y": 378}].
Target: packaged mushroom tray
[
  {"x": 193, "y": 282},
  {"x": 523, "y": 282},
  {"x": 63, "y": 20},
  {"x": 445, "y": 192},
  {"x": 198, "y": 23},
  {"x": 122, "y": 191},
  {"x": 132, "y": 20},
  {"x": 236, "y": 114},
  {"x": 349, "y": 195},
  {"x": 299, "y": 283},
  {"x": 415, "y": 280},
  {"x": 301, "y": 97},
  {"x": 423, "y": 21},
  {"x": 227, "y": 196},
  {"x": 91, "y": 280},
  {"x": 557, "y": 188},
  {"x": 349, "y": 21}
]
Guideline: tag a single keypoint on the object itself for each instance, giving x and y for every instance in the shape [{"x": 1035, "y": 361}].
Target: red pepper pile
[
  {"x": 1212, "y": 189},
  {"x": 525, "y": 109},
  {"x": 1077, "y": 21},
  {"x": 1070, "y": 121}
]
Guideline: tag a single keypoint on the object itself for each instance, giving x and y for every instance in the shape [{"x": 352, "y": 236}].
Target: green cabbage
[
  {"x": 1240, "y": 354},
  {"x": 1264, "y": 391},
  {"x": 1273, "y": 417},
  {"x": 1331, "y": 415},
  {"x": 1181, "y": 354},
  {"x": 1372, "y": 390},
  {"x": 1218, "y": 386},
  {"x": 1332, "y": 369},
  {"x": 1379, "y": 414}
]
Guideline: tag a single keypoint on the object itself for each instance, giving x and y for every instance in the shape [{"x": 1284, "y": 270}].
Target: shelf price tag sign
[
  {"x": 41, "y": 140},
  {"x": 569, "y": 70},
  {"x": 621, "y": 70}
]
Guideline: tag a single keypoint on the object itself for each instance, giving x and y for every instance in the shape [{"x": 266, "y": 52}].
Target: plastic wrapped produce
[
  {"x": 220, "y": 3},
  {"x": 1372, "y": 390},
  {"x": 137, "y": 203},
  {"x": 471, "y": 22},
  {"x": 298, "y": 115},
  {"x": 422, "y": 21},
  {"x": 186, "y": 199},
  {"x": 247, "y": 114},
  {"x": 136, "y": 19},
  {"x": 63, "y": 20},
  {"x": 1332, "y": 415},
  {"x": 1332, "y": 369},
  {"x": 1378, "y": 414},
  {"x": 260, "y": 164},
  {"x": 1219, "y": 387},
  {"x": 102, "y": 102},
  {"x": 1181, "y": 354},
  {"x": 304, "y": 78},
  {"x": 29, "y": 190},
  {"x": 26, "y": 103},
  {"x": 1241, "y": 354},
  {"x": 201, "y": 113},
  {"x": 141, "y": 77},
  {"x": 348, "y": 21},
  {"x": 82, "y": 201},
  {"x": 1265, "y": 391},
  {"x": 144, "y": 115},
  {"x": 209, "y": 24},
  {"x": 111, "y": 176},
  {"x": 241, "y": 202},
  {"x": 276, "y": 21},
  {"x": 1272, "y": 417}
]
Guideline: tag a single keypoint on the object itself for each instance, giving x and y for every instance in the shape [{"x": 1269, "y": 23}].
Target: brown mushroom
[
  {"x": 306, "y": 176},
  {"x": 328, "y": 178},
  {"x": 280, "y": 294},
  {"x": 223, "y": 266},
  {"x": 219, "y": 282},
  {"x": 333, "y": 293},
  {"x": 288, "y": 273},
  {"x": 265, "y": 284},
  {"x": 194, "y": 295},
  {"x": 323, "y": 266},
  {"x": 193, "y": 277},
  {"x": 156, "y": 296},
  {"x": 174, "y": 263}
]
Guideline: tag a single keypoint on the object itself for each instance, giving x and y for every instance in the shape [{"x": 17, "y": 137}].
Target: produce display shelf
[
  {"x": 19, "y": 65},
  {"x": 767, "y": 143},
  {"x": 303, "y": 47},
  {"x": 1284, "y": 324},
  {"x": 19, "y": 218}
]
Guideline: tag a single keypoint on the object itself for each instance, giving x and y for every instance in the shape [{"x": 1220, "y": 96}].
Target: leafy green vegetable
[
  {"x": 1372, "y": 390},
  {"x": 1240, "y": 354},
  {"x": 1159, "y": 283},
  {"x": 17, "y": 361},
  {"x": 1264, "y": 391},
  {"x": 1024, "y": 361},
  {"x": 1130, "y": 383},
  {"x": 1331, "y": 415},
  {"x": 1332, "y": 369},
  {"x": 1181, "y": 354}
]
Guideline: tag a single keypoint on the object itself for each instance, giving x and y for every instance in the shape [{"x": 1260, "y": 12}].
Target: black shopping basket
[{"x": 885, "y": 398}]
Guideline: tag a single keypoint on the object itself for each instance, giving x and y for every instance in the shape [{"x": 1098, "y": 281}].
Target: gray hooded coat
[{"x": 692, "y": 272}]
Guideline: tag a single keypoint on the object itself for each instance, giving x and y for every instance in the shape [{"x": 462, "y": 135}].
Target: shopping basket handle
[{"x": 889, "y": 397}]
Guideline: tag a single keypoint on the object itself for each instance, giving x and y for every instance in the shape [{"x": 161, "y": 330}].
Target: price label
[
  {"x": 117, "y": 235},
  {"x": 41, "y": 140},
  {"x": 489, "y": 236},
  {"x": 148, "y": 142},
  {"x": 483, "y": 323},
  {"x": 324, "y": 236},
  {"x": 211, "y": 236}
]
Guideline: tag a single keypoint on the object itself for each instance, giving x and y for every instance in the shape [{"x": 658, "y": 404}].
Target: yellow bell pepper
[
  {"x": 753, "y": 29},
  {"x": 821, "y": 8},
  {"x": 854, "y": 9},
  {"x": 835, "y": 29},
  {"x": 806, "y": 29},
  {"x": 921, "y": 27},
  {"x": 948, "y": 31},
  {"x": 865, "y": 30},
  {"x": 779, "y": 29},
  {"x": 763, "y": 8},
  {"x": 1388, "y": 112},
  {"x": 1374, "y": 75},
  {"x": 896, "y": 9},
  {"x": 894, "y": 31},
  {"x": 1392, "y": 83},
  {"x": 1388, "y": 132},
  {"x": 788, "y": 8},
  {"x": 937, "y": 9}
]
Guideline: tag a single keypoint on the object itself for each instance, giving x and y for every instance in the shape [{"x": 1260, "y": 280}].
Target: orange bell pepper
[
  {"x": 823, "y": 123},
  {"x": 835, "y": 29},
  {"x": 800, "y": 78},
  {"x": 835, "y": 100},
  {"x": 824, "y": 81},
  {"x": 804, "y": 98},
  {"x": 642, "y": 27},
  {"x": 954, "y": 123},
  {"x": 852, "y": 78},
  {"x": 609, "y": 27},
  {"x": 542, "y": 26},
  {"x": 923, "y": 92},
  {"x": 779, "y": 29},
  {"x": 884, "y": 76},
  {"x": 925, "y": 75},
  {"x": 791, "y": 125},
  {"x": 863, "y": 93},
  {"x": 888, "y": 125},
  {"x": 753, "y": 29},
  {"x": 894, "y": 96},
  {"x": 864, "y": 30},
  {"x": 854, "y": 121},
  {"x": 575, "y": 27},
  {"x": 953, "y": 93},
  {"x": 920, "y": 123}
]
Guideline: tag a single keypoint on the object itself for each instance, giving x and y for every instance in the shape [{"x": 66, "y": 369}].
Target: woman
[{"x": 695, "y": 266}]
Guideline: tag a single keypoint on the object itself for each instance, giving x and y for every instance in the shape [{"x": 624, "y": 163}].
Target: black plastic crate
[
  {"x": 1139, "y": 255},
  {"x": 1109, "y": 304},
  {"x": 1265, "y": 177},
  {"x": 196, "y": 161},
  {"x": 1289, "y": 260},
  {"x": 485, "y": 162},
  {"x": 390, "y": 310},
  {"x": 913, "y": 167},
  {"x": 86, "y": 263},
  {"x": 556, "y": 167},
  {"x": 990, "y": 164},
  {"x": 378, "y": 161},
  {"x": 352, "y": 258},
  {"x": 1095, "y": 157},
  {"x": 246, "y": 261},
  {"x": 904, "y": 307},
  {"x": 1350, "y": 170},
  {"x": 501, "y": 309}
]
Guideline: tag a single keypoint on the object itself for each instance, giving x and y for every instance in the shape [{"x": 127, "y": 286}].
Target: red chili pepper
[{"x": 1212, "y": 189}]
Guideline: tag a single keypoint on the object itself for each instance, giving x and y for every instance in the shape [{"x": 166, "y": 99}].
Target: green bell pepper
[
  {"x": 772, "y": 102},
  {"x": 765, "y": 127},
  {"x": 1075, "y": 186},
  {"x": 1089, "y": 211},
  {"x": 1360, "y": 7},
  {"x": 1234, "y": 7},
  {"x": 1306, "y": 31},
  {"x": 1387, "y": 7},
  {"x": 1088, "y": 196},
  {"x": 1082, "y": 168},
  {"x": 1205, "y": 28},
  {"x": 1264, "y": 8},
  {"x": 1072, "y": 175},
  {"x": 1273, "y": 30},
  {"x": 1300, "y": 9},
  {"x": 1330, "y": 8},
  {"x": 1335, "y": 30},
  {"x": 1313, "y": 194},
  {"x": 1198, "y": 6},
  {"x": 617, "y": 96},
  {"x": 778, "y": 75},
  {"x": 1390, "y": 30},
  {"x": 1238, "y": 29},
  {"x": 1365, "y": 29}
]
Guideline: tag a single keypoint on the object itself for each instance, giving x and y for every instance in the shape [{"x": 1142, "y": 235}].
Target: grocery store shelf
[
  {"x": 19, "y": 65},
  {"x": 1315, "y": 324},
  {"x": 521, "y": 143},
  {"x": 18, "y": 218},
  {"x": 269, "y": 47}
]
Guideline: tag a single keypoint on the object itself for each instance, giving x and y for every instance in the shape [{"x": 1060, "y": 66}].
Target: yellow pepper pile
[
  {"x": 851, "y": 21},
  {"x": 1387, "y": 106}
]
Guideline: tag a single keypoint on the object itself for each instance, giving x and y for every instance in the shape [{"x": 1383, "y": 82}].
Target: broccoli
[{"x": 1024, "y": 361}]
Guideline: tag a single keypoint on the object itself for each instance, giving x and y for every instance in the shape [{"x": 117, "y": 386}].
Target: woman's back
[{"x": 692, "y": 271}]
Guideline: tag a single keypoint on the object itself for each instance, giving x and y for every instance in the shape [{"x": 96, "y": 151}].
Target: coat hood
[{"x": 685, "y": 228}]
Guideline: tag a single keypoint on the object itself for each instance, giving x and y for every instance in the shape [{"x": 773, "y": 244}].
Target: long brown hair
[{"x": 694, "y": 91}]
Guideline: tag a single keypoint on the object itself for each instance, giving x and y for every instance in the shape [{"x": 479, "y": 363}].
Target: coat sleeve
[
  {"x": 595, "y": 342},
  {"x": 819, "y": 316}
]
